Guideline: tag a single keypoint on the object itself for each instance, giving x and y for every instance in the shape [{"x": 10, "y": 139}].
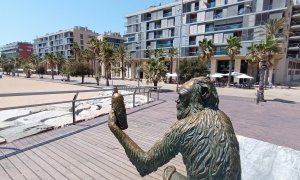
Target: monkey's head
[{"x": 195, "y": 95}]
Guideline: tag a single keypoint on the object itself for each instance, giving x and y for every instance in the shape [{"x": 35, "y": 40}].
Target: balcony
[
  {"x": 158, "y": 26},
  {"x": 292, "y": 56},
  {"x": 295, "y": 25},
  {"x": 131, "y": 39},
  {"x": 193, "y": 53},
  {"x": 168, "y": 14},
  {"x": 295, "y": 36},
  {"x": 294, "y": 47},
  {"x": 209, "y": 29},
  {"x": 197, "y": 8},
  {"x": 220, "y": 52},
  {"x": 218, "y": 16},
  {"x": 296, "y": 14},
  {"x": 227, "y": 27},
  {"x": 211, "y": 5},
  {"x": 157, "y": 36},
  {"x": 168, "y": 45},
  {"x": 191, "y": 43},
  {"x": 267, "y": 7},
  {"x": 192, "y": 20}
]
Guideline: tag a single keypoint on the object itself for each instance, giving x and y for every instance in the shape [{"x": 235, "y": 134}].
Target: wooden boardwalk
[{"x": 87, "y": 150}]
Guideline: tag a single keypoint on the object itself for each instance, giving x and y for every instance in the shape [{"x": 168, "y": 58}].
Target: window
[
  {"x": 81, "y": 42},
  {"x": 81, "y": 36}
]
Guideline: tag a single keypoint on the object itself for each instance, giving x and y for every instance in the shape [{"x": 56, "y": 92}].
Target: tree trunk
[
  {"x": 229, "y": 75},
  {"x": 171, "y": 69},
  {"x": 82, "y": 79},
  {"x": 155, "y": 84},
  {"x": 68, "y": 77},
  {"x": 107, "y": 82},
  {"x": 260, "y": 91},
  {"x": 52, "y": 73},
  {"x": 266, "y": 80},
  {"x": 122, "y": 69}
]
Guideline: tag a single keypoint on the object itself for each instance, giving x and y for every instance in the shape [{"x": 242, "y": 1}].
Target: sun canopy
[
  {"x": 233, "y": 74},
  {"x": 171, "y": 75},
  {"x": 244, "y": 76},
  {"x": 216, "y": 75}
]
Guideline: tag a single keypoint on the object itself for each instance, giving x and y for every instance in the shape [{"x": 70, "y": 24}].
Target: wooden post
[{"x": 73, "y": 107}]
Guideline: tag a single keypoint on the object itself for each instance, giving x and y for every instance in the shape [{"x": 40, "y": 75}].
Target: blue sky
[{"x": 23, "y": 20}]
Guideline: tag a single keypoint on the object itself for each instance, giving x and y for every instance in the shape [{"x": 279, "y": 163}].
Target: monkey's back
[{"x": 209, "y": 146}]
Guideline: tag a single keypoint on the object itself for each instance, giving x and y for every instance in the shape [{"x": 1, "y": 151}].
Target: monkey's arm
[{"x": 147, "y": 162}]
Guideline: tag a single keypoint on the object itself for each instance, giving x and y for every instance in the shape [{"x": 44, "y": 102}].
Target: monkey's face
[{"x": 183, "y": 100}]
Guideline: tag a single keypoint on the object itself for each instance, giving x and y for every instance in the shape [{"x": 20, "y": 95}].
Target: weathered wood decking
[{"x": 87, "y": 150}]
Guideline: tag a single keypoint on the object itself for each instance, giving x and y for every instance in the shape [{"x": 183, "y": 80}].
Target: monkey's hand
[{"x": 112, "y": 120}]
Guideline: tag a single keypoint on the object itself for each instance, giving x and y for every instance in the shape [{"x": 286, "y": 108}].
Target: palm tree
[
  {"x": 121, "y": 56},
  {"x": 252, "y": 56},
  {"x": 207, "y": 49},
  {"x": 108, "y": 59},
  {"x": 272, "y": 28},
  {"x": 76, "y": 51},
  {"x": 154, "y": 70},
  {"x": 233, "y": 48},
  {"x": 18, "y": 62},
  {"x": 51, "y": 61},
  {"x": 95, "y": 46},
  {"x": 266, "y": 48},
  {"x": 171, "y": 53},
  {"x": 159, "y": 53},
  {"x": 60, "y": 60}
]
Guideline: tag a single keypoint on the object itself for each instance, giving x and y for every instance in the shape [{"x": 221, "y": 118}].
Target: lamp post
[
  {"x": 180, "y": 36},
  {"x": 138, "y": 67}
]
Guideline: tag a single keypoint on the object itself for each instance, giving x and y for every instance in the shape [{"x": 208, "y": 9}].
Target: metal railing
[{"x": 146, "y": 90}]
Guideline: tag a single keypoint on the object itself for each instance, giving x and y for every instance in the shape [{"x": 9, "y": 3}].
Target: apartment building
[
  {"x": 114, "y": 38},
  {"x": 181, "y": 24},
  {"x": 62, "y": 41},
  {"x": 16, "y": 49}
]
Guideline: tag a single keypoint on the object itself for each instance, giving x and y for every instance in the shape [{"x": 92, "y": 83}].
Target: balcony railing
[
  {"x": 167, "y": 14},
  {"x": 209, "y": 29},
  {"x": 234, "y": 26},
  {"x": 294, "y": 45},
  {"x": 164, "y": 45},
  {"x": 197, "y": 8},
  {"x": 157, "y": 36},
  {"x": 218, "y": 16},
  {"x": 292, "y": 55},
  {"x": 192, "y": 43},
  {"x": 157, "y": 26},
  {"x": 220, "y": 52},
  {"x": 211, "y": 4},
  {"x": 194, "y": 53},
  {"x": 192, "y": 20},
  {"x": 267, "y": 7}
]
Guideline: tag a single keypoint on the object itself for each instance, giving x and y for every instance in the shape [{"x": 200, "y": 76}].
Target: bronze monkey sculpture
[{"x": 203, "y": 135}]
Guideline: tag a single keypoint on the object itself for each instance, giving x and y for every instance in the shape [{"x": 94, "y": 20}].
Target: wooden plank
[
  {"x": 106, "y": 155},
  {"x": 75, "y": 166},
  {"x": 3, "y": 174},
  {"x": 53, "y": 173},
  {"x": 85, "y": 161},
  {"x": 20, "y": 165}
]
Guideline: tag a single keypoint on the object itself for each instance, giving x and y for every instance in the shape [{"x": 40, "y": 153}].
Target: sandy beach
[{"x": 17, "y": 85}]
